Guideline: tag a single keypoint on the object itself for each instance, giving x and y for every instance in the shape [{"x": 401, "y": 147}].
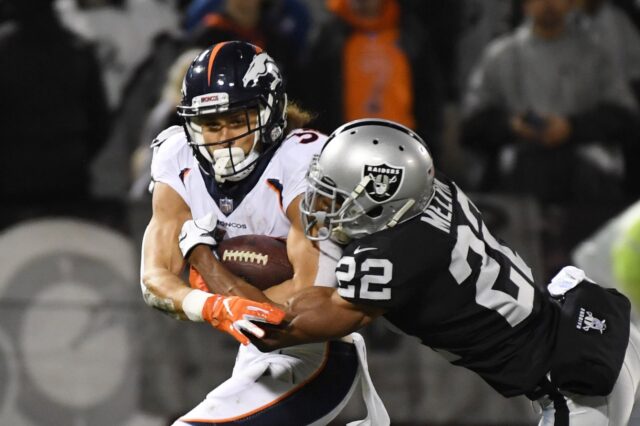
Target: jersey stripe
[
  {"x": 277, "y": 187},
  {"x": 301, "y": 405}
]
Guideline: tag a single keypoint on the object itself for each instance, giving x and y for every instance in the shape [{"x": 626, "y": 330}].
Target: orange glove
[{"x": 233, "y": 314}]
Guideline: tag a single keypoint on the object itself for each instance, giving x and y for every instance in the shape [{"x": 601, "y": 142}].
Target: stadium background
[{"x": 79, "y": 347}]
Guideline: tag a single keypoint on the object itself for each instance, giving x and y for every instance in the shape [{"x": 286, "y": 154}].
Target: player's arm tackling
[{"x": 318, "y": 314}]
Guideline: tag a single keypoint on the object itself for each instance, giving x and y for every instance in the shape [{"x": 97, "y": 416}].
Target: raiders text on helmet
[
  {"x": 226, "y": 77},
  {"x": 371, "y": 175}
]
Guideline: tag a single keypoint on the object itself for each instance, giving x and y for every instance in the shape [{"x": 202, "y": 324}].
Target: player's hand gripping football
[{"x": 234, "y": 315}]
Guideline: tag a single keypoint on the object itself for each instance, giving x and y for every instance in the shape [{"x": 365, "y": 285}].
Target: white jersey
[{"x": 263, "y": 209}]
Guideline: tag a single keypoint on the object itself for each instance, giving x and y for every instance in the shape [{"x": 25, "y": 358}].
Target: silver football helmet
[{"x": 371, "y": 175}]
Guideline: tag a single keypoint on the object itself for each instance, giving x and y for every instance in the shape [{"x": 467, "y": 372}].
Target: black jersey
[{"x": 444, "y": 278}]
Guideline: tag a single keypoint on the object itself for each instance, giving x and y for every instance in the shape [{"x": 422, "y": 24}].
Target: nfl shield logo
[
  {"x": 226, "y": 205},
  {"x": 384, "y": 183}
]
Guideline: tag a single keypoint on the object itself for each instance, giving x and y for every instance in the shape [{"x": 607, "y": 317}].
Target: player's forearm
[
  {"x": 317, "y": 317},
  {"x": 164, "y": 291},
  {"x": 313, "y": 318},
  {"x": 219, "y": 279},
  {"x": 280, "y": 293},
  {"x": 306, "y": 327}
]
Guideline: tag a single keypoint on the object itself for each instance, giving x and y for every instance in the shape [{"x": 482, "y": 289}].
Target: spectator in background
[
  {"x": 53, "y": 110},
  {"x": 547, "y": 101},
  {"x": 612, "y": 28},
  {"x": 291, "y": 19},
  {"x": 162, "y": 115},
  {"x": 273, "y": 25},
  {"x": 481, "y": 22},
  {"x": 631, "y": 8},
  {"x": 123, "y": 32},
  {"x": 130, "y": 36},
  {"x": 442, "y": 22},
  {"x": 371, "y": 59}
]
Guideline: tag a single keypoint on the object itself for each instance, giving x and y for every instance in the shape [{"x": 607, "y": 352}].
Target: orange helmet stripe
[{"x": 212, "y": 58}]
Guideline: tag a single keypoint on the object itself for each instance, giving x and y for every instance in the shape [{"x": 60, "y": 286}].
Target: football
[{"x": 260, "y": 260}]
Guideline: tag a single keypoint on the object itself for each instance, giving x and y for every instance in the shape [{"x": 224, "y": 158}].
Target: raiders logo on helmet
[{"x": 385, "y": 181}]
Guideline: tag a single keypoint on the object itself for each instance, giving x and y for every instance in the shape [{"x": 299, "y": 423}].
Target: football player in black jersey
[{"x": 417, "y": 251}]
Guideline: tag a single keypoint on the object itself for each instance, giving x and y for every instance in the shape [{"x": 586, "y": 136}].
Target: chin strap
[{"x": 396, "y": 217}]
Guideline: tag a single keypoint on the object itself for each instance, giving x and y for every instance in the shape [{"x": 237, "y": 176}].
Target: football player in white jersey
[
  {"x": 237, "y": 166},
  {"x": 418, "y": 252}
]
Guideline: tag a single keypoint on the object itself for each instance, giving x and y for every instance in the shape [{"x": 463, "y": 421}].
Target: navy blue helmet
[{"x": 227, "y": 77}]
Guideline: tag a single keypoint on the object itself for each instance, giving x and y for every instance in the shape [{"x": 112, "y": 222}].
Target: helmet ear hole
[{"x": 375, "y": 212}]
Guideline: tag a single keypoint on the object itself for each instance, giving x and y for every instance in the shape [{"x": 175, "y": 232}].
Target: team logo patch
[
  {"x": 385, "y": 181},
  {"x": 586, "y": 322},
  {"x": 226, "y": 205}
]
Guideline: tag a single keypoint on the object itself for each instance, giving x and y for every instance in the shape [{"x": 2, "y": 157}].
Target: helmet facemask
[
  {"x": 224, "y": 161},
  {"x": 329, "y": 212},
  {"x": 323, "y": 208}
]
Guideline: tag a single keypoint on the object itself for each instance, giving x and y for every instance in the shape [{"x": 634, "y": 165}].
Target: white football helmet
[{"x": 371, "y": 175}]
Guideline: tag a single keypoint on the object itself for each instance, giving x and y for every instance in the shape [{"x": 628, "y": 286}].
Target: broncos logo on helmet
[{"x": 262, "y": 66}]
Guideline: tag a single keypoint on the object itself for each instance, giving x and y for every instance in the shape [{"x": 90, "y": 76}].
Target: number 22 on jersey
[
  {"x": 378, "y": 273},
  {"x": 516, "y": 303}
]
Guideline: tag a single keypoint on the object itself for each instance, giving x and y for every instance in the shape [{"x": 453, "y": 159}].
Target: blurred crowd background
[{"x": 530, "y": 105}]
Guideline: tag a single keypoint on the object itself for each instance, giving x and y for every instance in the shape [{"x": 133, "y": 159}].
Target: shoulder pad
[{"x": 166, "y": 134}]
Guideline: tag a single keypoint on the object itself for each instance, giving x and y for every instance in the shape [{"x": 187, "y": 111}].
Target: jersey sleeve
[
  {"x": 168, "y": 154},
  {"x": 371, "y": 273},
  {"x": 301, "y": 146}
]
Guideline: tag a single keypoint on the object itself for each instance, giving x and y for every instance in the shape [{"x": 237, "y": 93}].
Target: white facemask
[{"x": 228, "y": 160}]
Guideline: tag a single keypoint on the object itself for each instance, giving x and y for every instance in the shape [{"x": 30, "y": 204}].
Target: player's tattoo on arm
[{"x": 164, "y": 305}]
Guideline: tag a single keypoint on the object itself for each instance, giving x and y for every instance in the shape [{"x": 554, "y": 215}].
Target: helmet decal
[
  {"x": 212, "y": 58},
  {"x": 210, "y": 99},
  {"x": 262, "y": 66},
  {"x": 384, "y": 183}
]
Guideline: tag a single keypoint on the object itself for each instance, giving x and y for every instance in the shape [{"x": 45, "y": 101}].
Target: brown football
[{"x": 259, "y": 259}]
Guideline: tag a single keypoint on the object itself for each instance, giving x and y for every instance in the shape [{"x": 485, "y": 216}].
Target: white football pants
[
  {"x": 611, "y": 410},
  {"x": 300, "y": 385}
]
